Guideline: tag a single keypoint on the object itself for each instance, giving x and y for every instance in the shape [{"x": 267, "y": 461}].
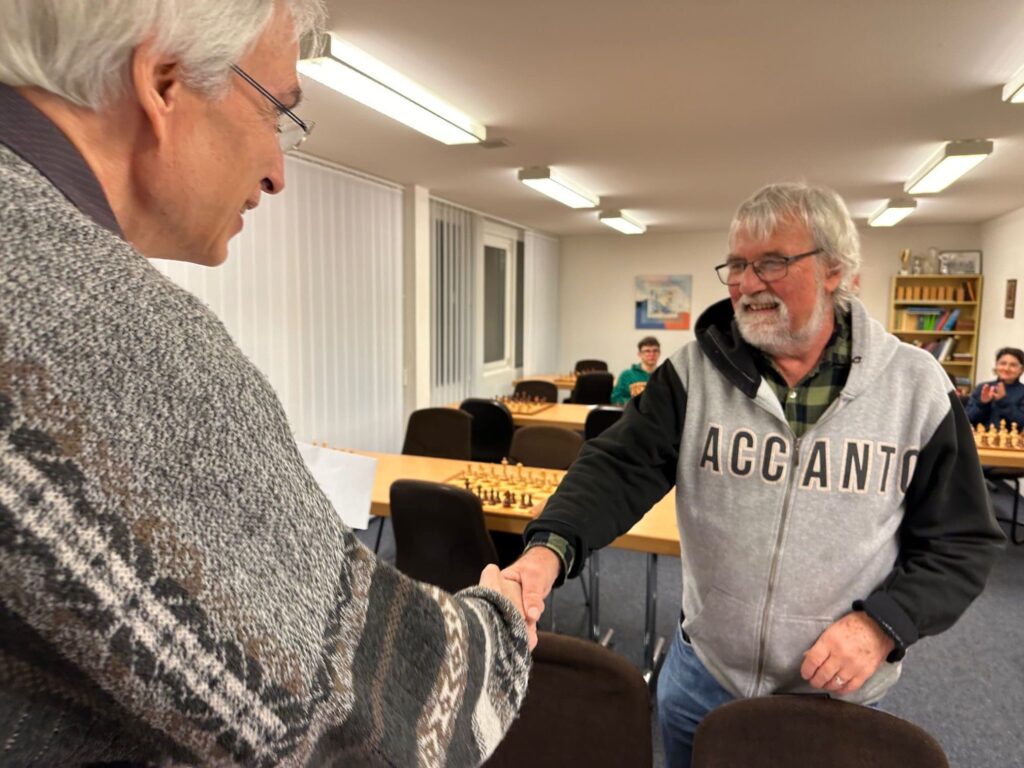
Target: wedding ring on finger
[{"x": 838, "y": 681}]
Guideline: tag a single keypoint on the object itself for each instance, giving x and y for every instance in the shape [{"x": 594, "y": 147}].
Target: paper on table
[{"x": 345, "y": 478}]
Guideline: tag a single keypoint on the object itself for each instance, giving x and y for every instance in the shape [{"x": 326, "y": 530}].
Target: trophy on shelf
[
  {"x": 904, "y": 259},
  {"x": 944, "y": 259}
]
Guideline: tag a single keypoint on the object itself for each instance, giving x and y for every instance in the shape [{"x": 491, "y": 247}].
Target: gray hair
[
  {"x": 824, "y": 214},
  {"x": 80, "y": 50}
]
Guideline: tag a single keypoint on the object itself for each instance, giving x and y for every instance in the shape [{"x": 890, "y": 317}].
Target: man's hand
[
  {"x": 536, "y": 572},
  {"x": 846, "y": 654},
  {"x": 491, "y": 578}
]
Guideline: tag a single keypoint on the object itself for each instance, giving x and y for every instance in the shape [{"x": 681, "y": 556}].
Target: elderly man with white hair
[
  {"x": 174, "y": 587},
  {"x": 831, "y": 506}
]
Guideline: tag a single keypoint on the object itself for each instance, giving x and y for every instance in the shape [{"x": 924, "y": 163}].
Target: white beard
[{"x": 770, "y": 331}]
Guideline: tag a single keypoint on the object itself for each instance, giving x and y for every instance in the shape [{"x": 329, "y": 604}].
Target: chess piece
[
  {"x": 1004, "y": 435},
  {"x": 1014, "y": 437}
]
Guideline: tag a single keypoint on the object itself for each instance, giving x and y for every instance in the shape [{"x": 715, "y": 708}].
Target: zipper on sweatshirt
[{"x": 773, "y": 570}]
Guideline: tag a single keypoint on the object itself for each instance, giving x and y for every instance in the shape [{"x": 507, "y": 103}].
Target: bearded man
[{"x": 830, "y": 502}]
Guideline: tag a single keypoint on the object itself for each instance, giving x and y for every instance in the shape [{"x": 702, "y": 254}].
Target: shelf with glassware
[{"x": 940, "y": 313}]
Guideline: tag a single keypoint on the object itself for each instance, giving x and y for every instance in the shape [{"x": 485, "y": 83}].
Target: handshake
[{"x": 526, "y": 583}]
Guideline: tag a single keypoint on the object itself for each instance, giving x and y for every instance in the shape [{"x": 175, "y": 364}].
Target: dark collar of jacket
[
  {"x": 721, "y": 342},
  {"x": 38, "y": 141}
]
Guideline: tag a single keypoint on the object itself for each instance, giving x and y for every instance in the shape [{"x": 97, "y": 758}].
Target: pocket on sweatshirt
[
  {"x": 787, "y": 640},
  {"x": 725, "y": 629}
]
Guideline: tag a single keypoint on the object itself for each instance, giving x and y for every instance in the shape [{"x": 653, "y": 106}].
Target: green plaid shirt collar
[{"x": 810, "y": 398}]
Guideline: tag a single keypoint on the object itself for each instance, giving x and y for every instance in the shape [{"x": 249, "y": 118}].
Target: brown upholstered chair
[
  {"x": 585, "y": 706},
  {"x": 444, "y": 433},
  {"x": 440, "y": 535},
  {"x": 492, "y": 428},
  {"x": 548, "y": 447},
  {"x": 594, "y": 388},
  {"x": 535, "y": 389},
  {"x": 586, "y": 366},
  {"x": 599, "y": 419},
  {"x": 810, "y": 732}
]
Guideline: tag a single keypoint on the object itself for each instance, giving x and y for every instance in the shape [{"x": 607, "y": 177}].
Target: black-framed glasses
[
  {"x": 290, "y": 133},
  {"x": 767, "y": 268}
]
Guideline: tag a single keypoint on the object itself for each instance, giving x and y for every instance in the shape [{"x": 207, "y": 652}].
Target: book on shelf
[
  {"x": 951, "y": 319},
  {"x": 968, "y": 286},
  {"x": 964, "y": 357},
  {"x": 965, "y": 324},
  {"x": 944, "y": 348}
]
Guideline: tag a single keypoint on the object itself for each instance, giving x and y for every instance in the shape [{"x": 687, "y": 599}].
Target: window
[{"x": 502, "y": 298}]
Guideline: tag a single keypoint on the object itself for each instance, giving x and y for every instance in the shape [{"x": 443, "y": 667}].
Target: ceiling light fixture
[
  {"x": 556, "y": 186},
  {"x": 892, "y": 212},
  {"x": 952, "y": 160},
  {"x": 618, "y": 220},
  {"x": 1013, "y": 91},
  {"x": 358, "y": 75}
]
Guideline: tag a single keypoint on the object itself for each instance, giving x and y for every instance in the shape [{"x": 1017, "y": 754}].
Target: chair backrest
[
  {"x": 445, "y": 433},
  {"x": 492, "y": 429},
  {"x": 593, "y": 388},
  {"x": 534, "y": 389},
  {"x": 586, "y": 366},
  {"x": 599, "y": 419},
  {"x": 548, "y": 447},
  {"x": 810, "y": 731},
  {"x": 585, "y": 705},
  {"x": 440, "y": 535}
]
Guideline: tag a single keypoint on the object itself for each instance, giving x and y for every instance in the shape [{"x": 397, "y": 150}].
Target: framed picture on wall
[
  {"x": 1011, "y": 298},
  {"x": 662, "y": 301},
  {"x": 960, "y": 262}
]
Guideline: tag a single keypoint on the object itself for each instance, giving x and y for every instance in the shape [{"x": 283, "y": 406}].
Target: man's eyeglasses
[
  {"x": 768, "y": 269},
  {"x": 291, "y": 132}
]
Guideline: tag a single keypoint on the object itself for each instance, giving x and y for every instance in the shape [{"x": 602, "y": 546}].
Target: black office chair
[
  {"x": 810, "y": 732},
  {"x": 587, "y": 366},
  {"x": 997, "y": 475},
  {"x": 593, "y": 388},
  {"x": 445, "y": 433},
  {"x": 440, "y": 535},
  {"x": 599, "y": 419},
  {"x": 585, "y": 705},
  {"x": 534, "y": 389},
  {"x": 547, "y": 447},
  {"x": 492, "y": 429}
]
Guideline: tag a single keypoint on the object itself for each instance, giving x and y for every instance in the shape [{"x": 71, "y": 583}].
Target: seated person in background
[
  {"x": 992, "y": 401},
  {"x": 174, "y": 586},
  {"x": 638, "y": 373}
]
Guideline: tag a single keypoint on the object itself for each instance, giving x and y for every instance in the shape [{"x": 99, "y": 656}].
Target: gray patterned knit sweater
[{"x": 173, "y": 585}]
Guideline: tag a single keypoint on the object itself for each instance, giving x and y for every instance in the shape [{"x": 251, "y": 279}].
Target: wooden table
[
  {"x": 568, "y": 415},
  {"x": 654, "y": 534},
  {"x": 560, "y": 380},
  {"x": 992, "y": 457}
]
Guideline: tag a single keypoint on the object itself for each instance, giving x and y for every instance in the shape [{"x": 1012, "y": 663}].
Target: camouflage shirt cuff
[{"x": 561, "y": 547}]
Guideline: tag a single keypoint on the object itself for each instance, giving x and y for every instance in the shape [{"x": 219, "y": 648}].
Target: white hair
[
  {"x": 824, "y": 214},
  {"x": 81, "y": 50}
]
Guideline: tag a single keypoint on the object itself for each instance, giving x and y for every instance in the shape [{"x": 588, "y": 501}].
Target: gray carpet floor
[{"x": 965, "y": 686}]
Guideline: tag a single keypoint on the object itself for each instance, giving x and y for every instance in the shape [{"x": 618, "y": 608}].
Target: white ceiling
[{"x": 676, "y": 110}]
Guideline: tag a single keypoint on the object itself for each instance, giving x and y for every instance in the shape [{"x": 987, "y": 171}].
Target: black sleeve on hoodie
[
  {"x": 949, "y": 539},
  {"x": 620, "y": 475}
]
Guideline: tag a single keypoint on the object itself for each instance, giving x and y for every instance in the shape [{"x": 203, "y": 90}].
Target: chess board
[
  {"x": 525, "y": 407},
  {"x": 504, "y": 488}
]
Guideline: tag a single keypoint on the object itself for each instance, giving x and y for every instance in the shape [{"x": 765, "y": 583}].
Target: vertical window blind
[
  {"x": 453, "y": 368},
  {"x": 312, "y": 293},
  {"x": 541, "y": 327}
]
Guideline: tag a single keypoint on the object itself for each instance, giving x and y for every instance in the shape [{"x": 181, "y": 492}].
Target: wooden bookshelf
[{"x": 940, "y": 313}]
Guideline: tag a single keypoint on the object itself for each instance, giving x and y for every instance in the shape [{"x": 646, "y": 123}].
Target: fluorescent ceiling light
[
  {"x": 949, "y": 163},
  {"x": 620, "y": 221},
  {"x": 556, "y": 186},
  {"x": 358, "y": 75},
  {"x": 892, "y": 212},
  {"x": 1013, "y": 91}
]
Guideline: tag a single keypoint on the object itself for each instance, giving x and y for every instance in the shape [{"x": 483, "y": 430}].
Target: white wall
[
  {"x": 1002, "y": 243},
  {"x": 597, "y": 281}
]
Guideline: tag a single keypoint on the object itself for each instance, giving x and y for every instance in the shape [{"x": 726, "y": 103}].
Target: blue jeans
[{"x": 686, "y": 693}]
